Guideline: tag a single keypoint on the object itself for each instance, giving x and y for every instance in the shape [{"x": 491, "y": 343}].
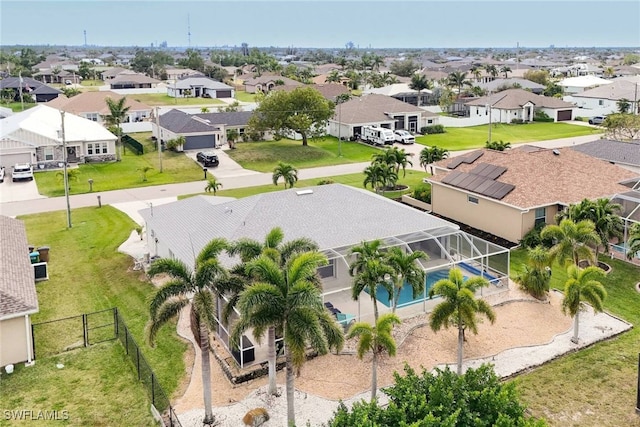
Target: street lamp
[{"x": 66, "y": 174}]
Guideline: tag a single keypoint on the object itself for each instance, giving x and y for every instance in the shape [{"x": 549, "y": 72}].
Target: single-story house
[
  {"x": 93, "y": 106},
  {"x": 181, "y": 73},
  {"x": 267, "y": 82},
  {"x": 39, "y": 91},
  {"x": 18, "y": 297},
  {"x": 201, "y": 131},
  {"x": 623, "y": 154},
  {"x": 506, "y": 193},
  {"x": 604, "y": 99},
  {"x": 377, "y": 110},
  {"x": 574, "y": 85},
  {"x": 180, "y": 229},
  {"x": 35, "y": 136},
  {"x": 518, "y": 104},
  {"x": 329, "y": 91},
  {"x": 57, "y": 76},
  {"x": 132, "y": 80},
  {"x": 113, "y": 72},
  {"x": 512, "y": 83},
  {"x": 199, "y": 86},
  {"x": 402, "y": 92}
]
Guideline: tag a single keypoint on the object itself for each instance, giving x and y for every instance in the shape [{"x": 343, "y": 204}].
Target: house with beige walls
[{"x": 506, "y": 193}]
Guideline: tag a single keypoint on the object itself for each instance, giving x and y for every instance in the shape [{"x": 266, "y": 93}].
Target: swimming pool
[
  {"x": 622, "y": 248},
  {"x": 406, "y": 294}
]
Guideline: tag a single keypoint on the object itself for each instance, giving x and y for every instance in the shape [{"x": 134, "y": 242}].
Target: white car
[
  {"x": 22, "y": 171},
  {"x": 404, "y": 137}
]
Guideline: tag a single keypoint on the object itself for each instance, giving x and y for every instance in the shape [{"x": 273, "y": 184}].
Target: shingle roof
[
  {"x": 206, "y": 82},
  {"x": 616, "y": 91},
  {"x": 266, "y": 78},
  {"x": 333, "y": 215},
  {"x": 613, "y": 151},
  {"x": 17, "y": 279},
  {"x": 373, "y": 108},
  {"x": 497, "y": 83},
  {"x": 132, "y": 78},
  {"x": 512, "y": 99},
  {"x": 94, "y": 102},
  {"x": 233, "y": 118},
  {"x": 178, "y": 122},
  {"x": 329, "y": 91},
  {"x": 541, "y": 177},
  {"x": 27, "y": 82}
]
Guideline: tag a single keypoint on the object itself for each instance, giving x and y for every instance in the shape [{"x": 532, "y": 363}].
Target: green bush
[
  {"x": 428, "y": 130},
  {"x": 533, "y": 239},
  {"x": 541, "y": 116},
  {"x": 326, "y": 181},
  {"x": 517, "y": 122},
  {"x": 422, "y": 193},
  {"x": 580, "y": 119}
]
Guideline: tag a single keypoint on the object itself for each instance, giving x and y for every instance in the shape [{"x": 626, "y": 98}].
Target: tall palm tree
[
  {"x": 406, "y": 271},
  {"x": 574, "y": 240},
  {"x": 380, "y": 175},
  {"x": 420, "y": 82},
  {"x": 396, "y": 157},
  {"x": 605, "y": 216},
  {"x": 506, "y": 70},
  {"x": 117, "y": 115},
  {"x": 369, "y": 270},
  {"x": 429, "y": 155},
  {"x": 287, "y": 172},
  {"x": 491, "y": 69},
  {"x": 198, "y": 287},
  {"x": 458, "y": 79},
  {"x": 460, "y": 307},
  {"x": 476, "y": 71},
  {"x": 279, "y": 251},
  {"x": 288, "y": 298},
  {"x": 582, "y": 285},
  {"x": 213, "y": 185},
  {"x": 377, "y": 340},
  {"x": 535, "y": 276}
]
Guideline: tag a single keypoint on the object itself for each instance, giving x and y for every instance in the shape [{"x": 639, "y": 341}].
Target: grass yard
[
  {"x": 243, "y": 96},
  {"x": 476, "y": 136},
  {"x": 177, "y": 168},
  {"x": 264, "y": 156},
  {"x": 16, "y": 107},
  {"x": 88, "y": 274},
  {"x": 153, "y": 99},
  {"x": 596, "y": 386}
]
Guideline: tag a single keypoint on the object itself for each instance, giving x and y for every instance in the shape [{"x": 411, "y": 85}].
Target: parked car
[
  {"x": 1, "y": 173},
  {"x": 597, "y": 120},
  {"x": 404, "y": 137},
  {"x": 22, "y": 171},
  {"x": 208, "y": 158}
]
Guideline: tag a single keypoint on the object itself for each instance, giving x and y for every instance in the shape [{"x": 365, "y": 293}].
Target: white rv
[{"x": 377, "y": 136}]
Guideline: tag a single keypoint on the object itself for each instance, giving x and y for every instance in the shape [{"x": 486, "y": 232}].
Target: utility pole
[
  {"x": 340, "y": 129},
  {"x": 66, "y": 175},
  {"x": 158, "y": 137}
]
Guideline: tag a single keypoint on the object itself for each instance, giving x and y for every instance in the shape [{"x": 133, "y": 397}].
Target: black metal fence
[{"x": 60, "y": 335}]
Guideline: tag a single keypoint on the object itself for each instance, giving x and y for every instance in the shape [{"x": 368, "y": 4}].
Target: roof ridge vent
[
  {"x": 556, "y": 152},
  {"x": 304, "y": 192}
]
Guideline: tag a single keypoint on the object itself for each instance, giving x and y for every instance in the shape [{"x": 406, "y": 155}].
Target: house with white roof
[
  {"x": 402, "y": 92},
  {"x": 573, "y": 85},
  {"x": 604, "y": 99},
  {"x": 35, "y": 136}
]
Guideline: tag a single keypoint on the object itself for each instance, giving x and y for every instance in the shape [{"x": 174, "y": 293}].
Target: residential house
[
  {"x": 512, "y": 83},
  {"x": 132, "y": 80},
  {"x": 28, "y": 86},
  {"x": 506, "y": 193},
  {"x": 181, "y": 229},
  {"x": 518, "y": 104},
  {"x": 604, "y": 99},
  {"x": 623, "y": 154},
  {"x": 181, "y": 73},
  {"x": 329, "y": 91},
  {"x": 35, "y": 136},
  {"x": 199, "y": 87},
  {"x": 113, "y": 72},
  {"x": 93, "y": 106},
  {"x": 575, "y": 85},
  {"x": 402, "y": 92},
  {"x": 268, "y": 82},
  {"x": 377, "y": 110},
  {"x": 57, "y": 75},
  {"x": 18, "y": 297}
]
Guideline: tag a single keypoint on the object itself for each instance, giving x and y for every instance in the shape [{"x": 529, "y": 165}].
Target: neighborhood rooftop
[
  {"x": 627, "y": 153},
  {"x": 94, "y": 102},
  {"x": 373, "y": 108}
]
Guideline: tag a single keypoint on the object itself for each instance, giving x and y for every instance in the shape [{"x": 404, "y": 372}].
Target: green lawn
[
  {"x": 17, "y": 107},
  {"x": 91, "y": 82},
  {"x": 88, "y": 274},
  {"x": 264, "y": 156},
  {"x": 153, "y": 99},
  {"x": 476, "y": 136},
  {"x": 176, "y": 167},
  {"x": 243, "y": 96},
  {"x": 596, "y": 386}
]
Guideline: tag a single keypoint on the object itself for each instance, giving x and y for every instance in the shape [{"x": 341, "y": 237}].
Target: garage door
[
  {"x": 223, "y": 94},
  {"x": 564, "y": 115},
  {"x": 199, "y": 142},
  {"x": 8, "y": 160}
]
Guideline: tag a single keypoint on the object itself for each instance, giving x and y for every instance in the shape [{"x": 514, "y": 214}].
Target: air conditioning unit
[{"x": 41, "y": 271}]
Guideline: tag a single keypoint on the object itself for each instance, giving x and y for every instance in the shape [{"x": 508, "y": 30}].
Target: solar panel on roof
[
  {"x": 478, "y": 181},
  {"x": 455, "y": 163},
  {"x": 494, "y": 187},
  {"x": 506, "y": 189},
  {"x": 489, "y": 170},
  {"x": 472, "y": 157},
  {"x": 482, "y": 187}
]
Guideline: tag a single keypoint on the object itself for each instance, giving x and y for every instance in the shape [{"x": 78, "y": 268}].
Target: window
[
  {"x": 105, "y": 148},
  {"x": 92, "y": 116},
  {"x": 328, "y": 270},
  {"x": 472, "y": 199},
  {"x": 48, "y": 153},
  {"x": 541, "y": 216},
  {"x": 601, "y": 102},
  {"x": 429, "y": 121},
  {"x": 89, "y": 149}
]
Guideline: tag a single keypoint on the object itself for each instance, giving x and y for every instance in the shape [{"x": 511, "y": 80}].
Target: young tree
[
  {"x": 623, "y": 105},
  {"x": 574, "y": 241},
  {"x": 460, "y": 308},
  {"x": 406, "y": 271},
  {"x": 232, "y": 136},
  {"x": 535, "y": 276},
  {"x": 377, "y": 340},
  {"x": 622, "y": 127},
  {"x": 117, "y": 115},
  {"x": 72, "y": 175},
  {"x": 430, "y": 155},
  {"x": 420, "y": 82},
  {"x": 213, "y": 185},
  {"x": 198, "y": 287},
  {"x": 582, "y": 285},
  {"x": 143, "y": 171},
  {"x": 289, "y": 299},
  {"x": 369, "y": 270},
  {"x": 287, "y": 172},
  {"x": 303, "y": 110}
]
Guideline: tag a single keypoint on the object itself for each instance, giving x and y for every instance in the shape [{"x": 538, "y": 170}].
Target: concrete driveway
[
  {"x": 227, "y": 168},
  {"x": 18, "y": 191}
]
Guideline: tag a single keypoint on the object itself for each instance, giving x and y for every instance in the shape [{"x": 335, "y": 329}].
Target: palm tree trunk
[
  {"x": 291, "y": 414},
  {"x": 374, "y": 375},
  {"x": 271, "y": 356},
  {"x": 118, "y": 156},
  {"x": 206, "y": 375},
  {"x": 460, "y": 349},
  {"x": 375, "y": 306},
  {"x": 576, "y": 327}
]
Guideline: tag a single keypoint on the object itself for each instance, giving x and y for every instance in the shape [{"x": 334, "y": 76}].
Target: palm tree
[
  {"x": 460, "y": 306},
  {"x": 213, "y": 185},
  {"x": 491, "y": 69},
  {"x": 432, "y": 154},
  {"x": 605, "y": 216},
  {"x": 476, "y": 71},
  {"x": 273, "y": 247},
  {"x": 144, "y": 170},
  {"x": 333, "y": 77},
  {"x": 406, "y": 271},
  {"x": 369, "y": 270},
  {"x": 573, "y": 240},
  {"x": 376, "y": 339},
  {"x": 535, "y": 276},
  {"x": 288, "y": 298},
  {"x": 506, "y": 70},
  {"x": 117, "y": 114},
  {"x": 380, "y": 175},
  {"x": 198, "y": 287},
  {"x": 420, "y": 82},
  {"x": 232, "y": 136},
  {"x": 458, "y": 79},
  {"x": 72, "y": 175},
  {"x": 633, "y": 242},
  {"x": 582, "y": 285},
  {"x": 287, "y": 172}
]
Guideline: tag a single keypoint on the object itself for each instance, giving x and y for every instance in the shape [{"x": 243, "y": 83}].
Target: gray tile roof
[
  {"x": 206, "y": 82},
  {"x": 515, "y": 98},
  {"x": 179, "y": 122},
  {"x": 616, "y": 91},
  {"x": 374, "y": 108},
  {"x": 27, "y": 82},
  {"x": 17, "y": 279},
  {"x": 332, "y": 215},
  {"x": 233, "y": 118},
  {"x": 613, "y": 151},
  {"x": 524, "y": 83}
]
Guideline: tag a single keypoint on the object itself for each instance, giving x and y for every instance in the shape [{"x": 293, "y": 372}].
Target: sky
[{"x": 323, "y": 24}]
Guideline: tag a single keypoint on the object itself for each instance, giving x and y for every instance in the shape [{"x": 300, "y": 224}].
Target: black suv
[{"x": 208, "y": 158}]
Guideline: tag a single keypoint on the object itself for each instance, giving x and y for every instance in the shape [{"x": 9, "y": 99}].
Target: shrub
[
  {"x": 533, "y": 239},
  {"x": 517, "y": 122},
  {"x": 428, "y": 130},
  {"x": 326, "y": 181},
  {"x": 422, "y": 193},
  {"x": 541, "y": 116}
]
